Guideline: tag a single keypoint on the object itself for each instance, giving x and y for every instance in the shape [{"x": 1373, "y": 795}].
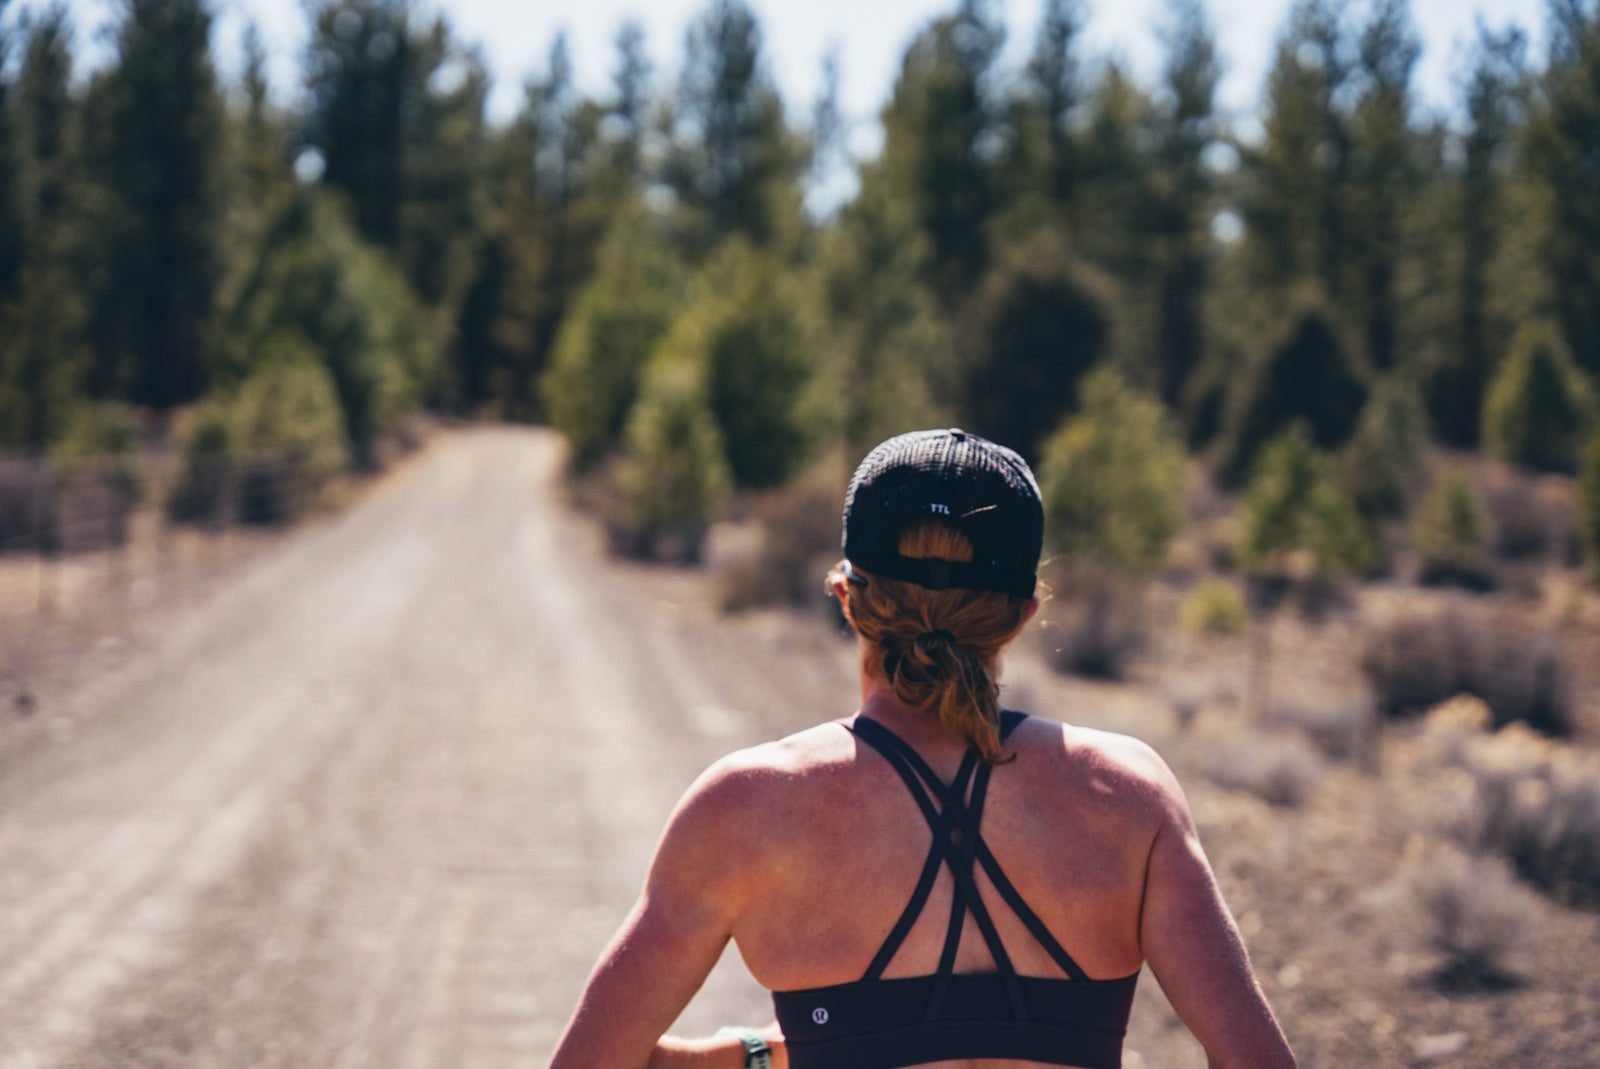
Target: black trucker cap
[{"x": 984, "y": 490}]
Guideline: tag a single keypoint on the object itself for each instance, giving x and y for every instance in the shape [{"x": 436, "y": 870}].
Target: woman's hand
[{"x": 720, "y": 1051}]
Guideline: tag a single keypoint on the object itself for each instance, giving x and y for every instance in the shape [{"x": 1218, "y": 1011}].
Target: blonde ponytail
[{"x": 937, "y": 648}]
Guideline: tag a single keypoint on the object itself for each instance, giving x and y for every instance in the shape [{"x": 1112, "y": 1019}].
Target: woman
[{"x": 932, "y": 881}]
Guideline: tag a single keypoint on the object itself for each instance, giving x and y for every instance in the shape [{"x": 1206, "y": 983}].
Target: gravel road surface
[{"x": 377, "y": 803}]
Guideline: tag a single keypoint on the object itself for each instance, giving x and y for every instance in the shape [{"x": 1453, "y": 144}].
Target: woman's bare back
[{"x": 1070, "y": 821}]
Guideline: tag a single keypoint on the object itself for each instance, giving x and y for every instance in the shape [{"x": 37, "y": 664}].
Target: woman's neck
[{"x": 919, "y": 728}]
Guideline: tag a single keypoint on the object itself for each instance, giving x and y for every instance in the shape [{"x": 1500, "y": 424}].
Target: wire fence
[{"x": 88, "y": 545}]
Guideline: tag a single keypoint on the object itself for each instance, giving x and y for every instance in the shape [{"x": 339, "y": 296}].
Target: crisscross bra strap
[
  {"x": 940, "y": 822},
  {"x": 965, "y": 896},
  {"x": 916, "y": 774}
]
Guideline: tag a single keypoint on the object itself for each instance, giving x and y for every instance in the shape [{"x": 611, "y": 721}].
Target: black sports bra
[{"x": 875, "y": 1023}]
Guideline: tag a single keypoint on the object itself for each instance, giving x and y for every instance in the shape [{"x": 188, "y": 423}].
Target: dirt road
[{"x": 376, "y": 804}]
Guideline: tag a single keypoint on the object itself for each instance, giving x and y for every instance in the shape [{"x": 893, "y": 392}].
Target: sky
[{"x": 870, "y": 35}]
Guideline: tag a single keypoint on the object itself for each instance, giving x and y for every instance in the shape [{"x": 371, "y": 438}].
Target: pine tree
[
  {"x": 1291, "y": 506},
  {"x": 1450, "y": 533},
  {"x": 1492, "y": 104},
  {"x": 1296, "y": 207},
  {"x": 1114, "y": 223},
  {"x": 263, "y": 162},
  {"x": 1184, "y": 194},
  {"x": 361, "y": 75},
  {"x": 748, "y": 332},
  {"x": 1302, "y": 374},
  {"x": 827, "y": 141},
  {"x": 335, "y": 298},
  {"x": 442, "y": 205},
  {"x": 734, "y": 164},
  {"x": 604, "y": 343},
  {"x": 553, "y": 221},
  {"x": 158, "y": 115},
  {"x": 42, "y": 365},
  {"x": 396, "y": 109},
  {"x": 10, "y": 171},
  {"x": 1053, "y": 85},
  {"x": 942, "y": 139},
  {"x": 1563, "y": 155},
  {"x": 1037, "y": 324},
  {"x": 631, "y": 82},
  {"x": 1383, "y": 177},
  {"x": 889, "y": 345},
  {"x": 1540, "y": 409}
]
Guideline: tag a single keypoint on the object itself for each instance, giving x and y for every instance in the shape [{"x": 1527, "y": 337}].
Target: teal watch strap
[{"x": 757, "y": 1055}]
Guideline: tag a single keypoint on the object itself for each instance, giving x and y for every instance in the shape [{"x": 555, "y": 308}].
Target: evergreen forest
[{"x": 1103, "y": 273}]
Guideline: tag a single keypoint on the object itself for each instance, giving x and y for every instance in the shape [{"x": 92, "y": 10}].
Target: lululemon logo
[{"x": 819, "y": 1015}]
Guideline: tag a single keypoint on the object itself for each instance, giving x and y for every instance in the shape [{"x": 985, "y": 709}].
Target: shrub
[
  {"x": 747, "y": 336},
  {"x": 209, "y": 442},
  {"x": 1343, "y": 731},
  {"x": 103, "y": 435},
  {"x": 1291, "y": 508},
  {"x": 1112, "y": 479},
  {"x": 1476, "y": 917},
  {"x": 1536, "y": 802},
  {"x": 1530, "y": 516},
  {"x": 313, "y": 279},
  {"x": 1589, "y": 489},
  {"x": 1279, "y": 769},
  {"x": 795, "y": 540},
  {"x": 1539, "y": 409},
  {"x": 265, "y": 449},
  {"x": 1095, "y": 621},
  {"x": 760, "y": 358},
  {"x": 292, "y": 430},
  {"x": 1450, "y": 534},
  {"x": 1214, "y": 607},
  {"x": 1380, "y": 467},
  {"x": 97, "y": 477},
  {"x": 1421, "y": 657},
  {"x": 600, "y": 353},
  {"x": 674, "y": 473}
]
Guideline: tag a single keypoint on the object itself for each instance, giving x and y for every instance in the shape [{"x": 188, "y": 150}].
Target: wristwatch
[{"x": 757, "y": 1054}]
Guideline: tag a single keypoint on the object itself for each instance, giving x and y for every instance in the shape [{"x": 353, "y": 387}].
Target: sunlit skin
[{"x": 804, "y": 852}]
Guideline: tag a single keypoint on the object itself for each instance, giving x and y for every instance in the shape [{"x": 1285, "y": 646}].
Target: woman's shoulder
[
  {"x": 1111, "y": 767},
  {"x": 749, "y": 782}
]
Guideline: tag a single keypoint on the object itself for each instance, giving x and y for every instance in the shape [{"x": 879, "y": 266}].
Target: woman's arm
[
  {"x": 1189, "y": 939},
  {"x": 673, "y": 936}
]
